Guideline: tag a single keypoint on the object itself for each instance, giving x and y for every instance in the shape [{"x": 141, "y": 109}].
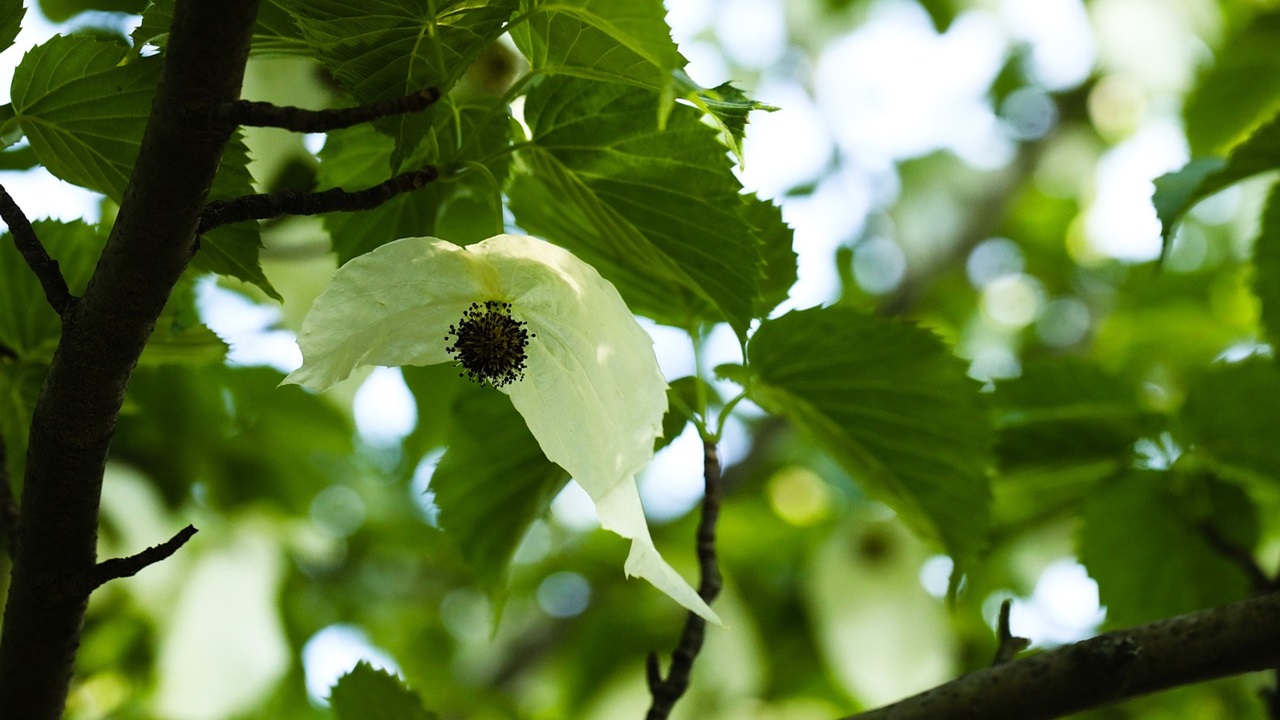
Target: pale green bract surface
[{"x": 592, "y": 393}]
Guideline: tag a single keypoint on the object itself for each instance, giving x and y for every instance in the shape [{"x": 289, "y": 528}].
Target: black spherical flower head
[{"x": 489, "y": 344}]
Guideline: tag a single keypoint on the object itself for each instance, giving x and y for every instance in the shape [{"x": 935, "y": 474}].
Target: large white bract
[{"x": 591, "y": 391}]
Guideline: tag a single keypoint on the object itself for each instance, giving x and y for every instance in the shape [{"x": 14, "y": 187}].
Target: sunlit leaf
[
  {"x": 84, "y": 114},
  {"x": 367, "y": 693},
  {"x": 599, "y": 39},
  {"x": 1177, "y": 192},
  {"x": 1238, "y": 90},
  {"x": 892, "y": 405},
  {"x": 657, "y": 211},
  {"x": 83, "y": 111},
  {"x": 725, "y": 104}
]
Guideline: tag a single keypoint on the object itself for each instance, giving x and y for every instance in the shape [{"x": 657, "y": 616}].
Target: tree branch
[
  {"x": 8, "y": 506},
  {"x": 291, "y": 202},
  {"x": 28, "y": 244},
  {"x": 151, "y": 242},
  {"x": 667, "y": 691},
  {"x": 1229, "y": 640},
  {"x": 265, "y": 114},
  {"x": 108, "y": 570}
]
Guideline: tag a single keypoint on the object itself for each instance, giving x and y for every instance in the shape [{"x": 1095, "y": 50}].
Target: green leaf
[
  {"x": 892, "y": 405},
  {"x": 1238, "y": 90},
  {"x": 179, "y": 336},
  {"x": 234, "y": 250},
  {"x": 62, "y": 10},
  {"x": 776, "y": 239},
  {"x": 206, "y": 427},
  {"x": 11, "y": 133},
  {"x": 386, "y": 49},
  {"x": 28, "y": 326},
  {"x": 1266, "y": 264},
  {"x": 466, "y": 143},
  {"x": 627, "y": 42},
  {"x": 1177, "y": 192},
  {"x": 11, "y": 14},
  {"x": 1065, "y": 410},
  {"x": 1143, "y": 545},
  {"x": 682, "y": 398},
  {"x": 435, "y": 390},
  {"x": 274, "y": 33},
  {"x": 1064, "y": 425},
  {"x": 20, "y": 383},
  {"x": 726, "y": 105},
  {"x": 84, "y": 114},
  {"x": 491, "y": 484},
  {"x": 367, "y": 693},
  {"x": 1231, "y": 413},
  {"x": 656, "y": 211}
]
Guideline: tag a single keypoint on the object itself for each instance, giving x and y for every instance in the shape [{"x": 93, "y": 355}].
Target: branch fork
[{"x": 80, "y": 586}]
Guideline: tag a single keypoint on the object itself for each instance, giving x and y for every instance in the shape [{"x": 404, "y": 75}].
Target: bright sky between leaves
[{"x": 536, "y": 323}]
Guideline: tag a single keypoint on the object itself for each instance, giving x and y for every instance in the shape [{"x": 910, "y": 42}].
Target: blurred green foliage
[{"x": 1131, "y": 400}]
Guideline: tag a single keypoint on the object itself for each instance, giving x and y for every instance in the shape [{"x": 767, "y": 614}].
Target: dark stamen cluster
[{"x": 489, "y": 344}]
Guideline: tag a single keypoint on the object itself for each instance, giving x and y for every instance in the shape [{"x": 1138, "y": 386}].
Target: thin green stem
[{"x": 724, "y": 414}]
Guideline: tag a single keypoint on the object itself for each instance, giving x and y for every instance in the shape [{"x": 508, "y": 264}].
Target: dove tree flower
[{"x": 534, "y": 322}]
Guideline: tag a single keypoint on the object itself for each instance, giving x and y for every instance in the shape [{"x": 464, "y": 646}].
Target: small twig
[
  {"x": 1244, "y": 559},
  {"x": 45, "y": 267},
  {"x": 264, "y": 114},
  {"x": 291, "y": 202},
  {"x": 666, "y": 692},
  {"x": 1008, "y": 645},
  {"x": 8, "y": 505},
  {"x": 82, "y": 585}
]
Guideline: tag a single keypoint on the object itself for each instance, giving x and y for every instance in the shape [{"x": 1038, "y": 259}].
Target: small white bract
[{"x": 538, "y": 324}]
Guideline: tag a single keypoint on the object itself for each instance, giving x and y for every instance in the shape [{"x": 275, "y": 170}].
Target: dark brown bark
[
  {"x": 103, "y": 334},
  {"x": 667, "y": 691},
  {"x": 1228, "y": 640}
]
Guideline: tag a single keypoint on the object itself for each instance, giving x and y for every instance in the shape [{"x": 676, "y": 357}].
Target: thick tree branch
[
  {"x": 1229, "y": 640},
  {"x": 291, "y": 202},
  {"x": 108, "y": 570},
  {"x": 37, "y": 258},
  {"x": 8, "y": 506},
  {"x": 667, "y": 691},
  {"x": 103, "y": 335},
  {"x": 264, "y": 114}
]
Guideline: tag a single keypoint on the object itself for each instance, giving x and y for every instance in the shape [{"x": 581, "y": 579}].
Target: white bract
[{"x": 590, "y": 388}]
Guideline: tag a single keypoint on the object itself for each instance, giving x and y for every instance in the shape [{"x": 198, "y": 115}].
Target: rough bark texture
[
  {"x": 103, "y": 334},
  {"x": 1227, "y": 640}
]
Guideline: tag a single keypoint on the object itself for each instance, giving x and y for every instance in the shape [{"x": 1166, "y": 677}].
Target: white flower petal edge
[
  {"x": 390, "y": 307},
  {"x": 593, "y": 395}
]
